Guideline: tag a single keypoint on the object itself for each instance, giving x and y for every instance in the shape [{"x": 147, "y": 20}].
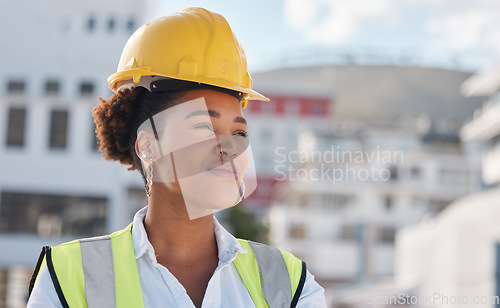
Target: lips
[{"x": 225, "y": 171}]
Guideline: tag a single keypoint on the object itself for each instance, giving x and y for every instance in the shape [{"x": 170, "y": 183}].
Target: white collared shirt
[{"x": 161, "y": 289}]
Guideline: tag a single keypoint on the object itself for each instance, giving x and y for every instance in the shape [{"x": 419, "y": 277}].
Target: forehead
[
  {"x": 214, "y": 100},
  {"x": 194, "y": 103}
]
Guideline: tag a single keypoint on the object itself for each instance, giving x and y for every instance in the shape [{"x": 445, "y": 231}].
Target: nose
[{"x": 227, "y": 147}]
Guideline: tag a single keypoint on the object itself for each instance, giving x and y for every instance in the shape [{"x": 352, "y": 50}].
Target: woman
[{"x": 176, "y": 116}]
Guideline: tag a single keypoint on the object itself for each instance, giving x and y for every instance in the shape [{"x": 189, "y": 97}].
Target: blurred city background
[{"x": 378, "y": 156}]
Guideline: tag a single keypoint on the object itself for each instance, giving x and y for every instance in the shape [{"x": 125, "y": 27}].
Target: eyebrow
[
  {"x": 214, "y": 114},
  {"x": 240, "y": 120}
]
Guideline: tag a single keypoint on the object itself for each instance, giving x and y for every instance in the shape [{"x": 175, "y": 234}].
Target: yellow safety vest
[{"x": 102, "y": 272}]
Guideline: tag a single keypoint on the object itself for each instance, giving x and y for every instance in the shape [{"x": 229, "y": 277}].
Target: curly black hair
[{"x": 118, "y": 118}]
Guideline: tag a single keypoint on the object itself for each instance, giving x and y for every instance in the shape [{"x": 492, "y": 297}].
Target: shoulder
[
  {"x": 274, "y": 263},
  {"x": 264, "y": 251},
  {"x": 274, "y": 260},
  {"x": 313, "y": 295},
  {"x": 43, "y": 294},
  {"x": 75, "y": 244}
]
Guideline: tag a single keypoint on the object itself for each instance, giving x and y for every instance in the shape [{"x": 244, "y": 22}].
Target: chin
[{"x": 202, "y": 191}]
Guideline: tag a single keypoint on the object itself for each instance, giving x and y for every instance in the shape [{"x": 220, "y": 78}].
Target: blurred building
[
  {"x": 485, "y": 127},
  {"x": 351, "y": 188},
  {"x": 274, "y": 126},
  {"x": 456, "y": 255},
  {"x": 54, "y": 185},
  {"x": 306, "y": 97},
  {"x": 389, "y": 157}
]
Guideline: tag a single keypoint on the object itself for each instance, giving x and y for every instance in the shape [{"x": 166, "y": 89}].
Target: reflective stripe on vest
[
  {"x": 268, "y": 274},
  {"x": 68, "y": 264},
  {"x": 99, "y": 271},
  {"x": 90, "y": 276}
]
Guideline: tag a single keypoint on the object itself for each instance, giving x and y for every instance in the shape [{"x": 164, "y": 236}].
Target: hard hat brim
[{"x": 118, "y": 79}]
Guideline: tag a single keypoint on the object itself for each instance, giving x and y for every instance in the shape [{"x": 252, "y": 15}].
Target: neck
[{"x": 177, "y": 239}]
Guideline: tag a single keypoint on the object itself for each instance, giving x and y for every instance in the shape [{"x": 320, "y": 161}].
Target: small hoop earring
[
  {"x": 149, "y": 178},
  {"x": 241, "y": 191}
]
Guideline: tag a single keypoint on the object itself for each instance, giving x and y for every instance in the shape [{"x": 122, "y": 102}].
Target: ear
[{"x": 146, "y": 147}]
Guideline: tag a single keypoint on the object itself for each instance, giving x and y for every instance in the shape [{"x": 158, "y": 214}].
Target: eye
[{"x": 242, "y": 134}]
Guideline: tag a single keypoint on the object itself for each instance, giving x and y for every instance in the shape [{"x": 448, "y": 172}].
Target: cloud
[
  {"x": 330, "y": 21},
  {"x": 463, "y": 27},
  {"x": 454, "y": 25}
]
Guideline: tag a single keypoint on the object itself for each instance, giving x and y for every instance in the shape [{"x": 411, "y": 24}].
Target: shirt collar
[
  {"x": 228, "y": 246},
  {"x": 139, "y": 235}
]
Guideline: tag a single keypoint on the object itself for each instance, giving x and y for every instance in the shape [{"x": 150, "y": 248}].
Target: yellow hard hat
[{"x": 193, "y": 45}]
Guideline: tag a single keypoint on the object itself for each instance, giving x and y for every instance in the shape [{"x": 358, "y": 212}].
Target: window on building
[
  {"x": 16, "y": 124},
  {"x": 302, "y": 200},
  {"x": 348, "y": 232},
  {"x": 292, "y": 107},
  {"x": 317, "y": 109},
  {"x": 298, "y": 231},
  {"x": 493, "y": 144},
  {"x": 95, "y": 140},
  {"x": 52, "y": 87},
  {"x": 266, "y": 134},
  {"x": 415, "y": 172},
  {"x": 437, "y": 205},
  {"x": 91, "y": 24},
  {"x": 16, "y": 87},
  {"x": 386, "y": 235},
  {"x": 52, "y": 215},
  {"x": 86, "y": 89},
  {"x": 268, "y": 107},
  {"x": 111, "y": 25},
  {"x": 335, "y": 202},
  {"x": 454, "y": 177},
  {"x": 130, "y": 25},
  {"x": 388, "y": 202},
  {"x": 393, "y": 173},
  {"x": 58, "y": 129}
]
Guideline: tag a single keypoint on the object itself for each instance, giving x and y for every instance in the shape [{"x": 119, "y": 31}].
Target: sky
[{"x": 457, "y": 34}]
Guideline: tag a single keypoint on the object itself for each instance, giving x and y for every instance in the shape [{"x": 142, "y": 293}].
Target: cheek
[
  {"x": 242, "y": 160},
  {"x": 178, "y": 135},
  {"x": 188, "y": 142},
  {"x": 194, "y": 158}
]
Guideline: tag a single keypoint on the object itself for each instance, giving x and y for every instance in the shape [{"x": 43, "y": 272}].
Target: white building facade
[
  {"x": 348, "y": 193},
  {"x": 54, "y": 184},
  {"x": 455, "y": 256}
]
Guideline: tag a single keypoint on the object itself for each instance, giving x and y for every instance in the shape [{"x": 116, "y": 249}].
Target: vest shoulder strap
[
  {"x": 45, "y": 258},
  {"x": 39, "y": 264},
  {"x": 64, "y": 263},
  {"x": 271, "y": 275},
  {"x": 89, "y": 276}
]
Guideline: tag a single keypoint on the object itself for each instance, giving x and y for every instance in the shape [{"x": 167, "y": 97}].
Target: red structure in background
[
  {"x": 281, "y": 105},
  {"x": 264, "y": 194},
  {"x": 296, "y": 108}
]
